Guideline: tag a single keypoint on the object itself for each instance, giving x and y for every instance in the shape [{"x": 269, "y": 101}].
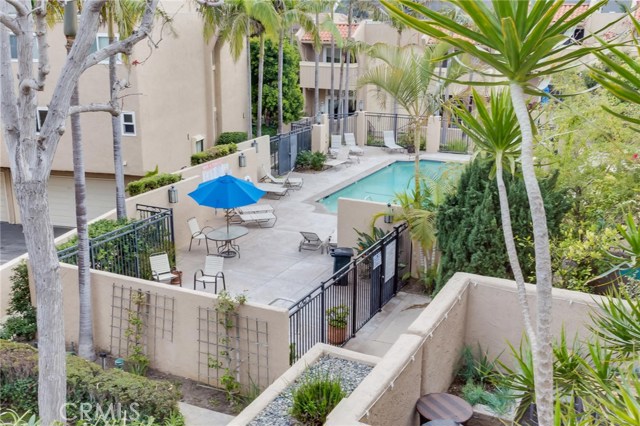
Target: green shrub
[
  {"x": 310, "y": 160},
  {"x": 314, "y": 399},
  {"x": 98, "y": 228},
  {"x": 217, "y": 151},
  {"x": 21, "y": 324},
  {"x": 456, "y": 145},
  {"x": 86, "y": 382},
  {"x": 231, "y": 137},
  {"x": 152, "y": 182}
]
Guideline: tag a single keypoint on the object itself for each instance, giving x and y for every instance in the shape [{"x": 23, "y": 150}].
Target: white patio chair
[
  {"x": 342, "y": 158},
  {"x": 273, "y": 189},
  {"x": 255, "y": 208},
  {"x": 262, "y": 219},
  {"x": 288, "y": 181},
  {"x": 311, "y": 241},
  {"x": 390, "y": 141},
  {"x": 160, "y": 267},
  {"x": 336, "y": 145},
  {"x": 198, "y": 233},
  {"x": 211, "y": 274},
  {"x": 350, "y": 140}
]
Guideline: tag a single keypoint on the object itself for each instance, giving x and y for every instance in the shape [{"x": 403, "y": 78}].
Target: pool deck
[{"x": 271, "y": 269}]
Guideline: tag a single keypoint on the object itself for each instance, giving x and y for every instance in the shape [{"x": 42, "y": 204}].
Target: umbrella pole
[{"x": 228, "y": 215}]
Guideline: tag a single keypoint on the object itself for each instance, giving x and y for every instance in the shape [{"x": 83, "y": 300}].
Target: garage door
[
  {"x": 101, "y": 198},
  {"x": 4, "y": 201}
]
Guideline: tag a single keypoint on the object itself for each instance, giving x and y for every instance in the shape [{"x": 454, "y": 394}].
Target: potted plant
[{"x": 337, "y": 317}]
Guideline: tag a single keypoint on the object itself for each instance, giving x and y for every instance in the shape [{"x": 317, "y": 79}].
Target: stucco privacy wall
[
  {"x": 357, "y": 214},
  {"x": 178, "y": 355},
  {"x": 469, "y": 310},
  {"x": 182, "y": 211}
]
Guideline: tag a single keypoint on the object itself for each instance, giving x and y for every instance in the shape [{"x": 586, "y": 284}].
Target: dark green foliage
[
  {"x": 86, "y": 382},
  {"x": 98, "y": 228},
  {"x": 470, "y": 230},
  {"x": 366, "y": 240},
  {"x": 314, "y": 399},
  {"x": 21, "y": 324},
  {"x": 226, "y": 138},
  {"x": 147, "y": 184},
  {"x": 217, "y": 151},
  {"x": 310, "y": 160},
  {"x": 292, "y": 99},
  {"x": 338, "y": 316}
]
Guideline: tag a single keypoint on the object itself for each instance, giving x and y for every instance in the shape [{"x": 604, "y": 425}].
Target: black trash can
[{"x": 341, "y": 257}]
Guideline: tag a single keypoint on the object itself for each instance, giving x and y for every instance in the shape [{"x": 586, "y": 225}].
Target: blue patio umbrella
[{"x": 226, "y": 192}]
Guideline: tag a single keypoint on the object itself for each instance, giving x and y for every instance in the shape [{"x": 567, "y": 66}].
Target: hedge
[
  {"x": 217, "y": 151},
  {"x": 231, "y": 137},
  {"x": 86, "y": 382},
  {"x": 147, "y": 184}
]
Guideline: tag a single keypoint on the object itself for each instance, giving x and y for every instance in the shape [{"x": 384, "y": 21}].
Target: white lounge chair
[
  {"x": 273, "y": 189},
  {"x": 160, "y": 267},
  {"x": 264, "y": 219},
  {"x": 288, "y": 181},
  {"x": 342, "y": 158},
  {"x": 390, "y": 141},
  {"x": 211, "y": 274},
  {"x": 198, "y": 233},
  {"x": 350, "y": 140},
  {"x": 311, "y": 241},
  {"x": 336, "y": 145},
  {"x": 255, "y": 208}
]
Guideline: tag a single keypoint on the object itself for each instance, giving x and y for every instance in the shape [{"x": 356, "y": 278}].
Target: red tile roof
[
  {"x": 325, "y": 36},
  {"x": 566, "y": 7}
]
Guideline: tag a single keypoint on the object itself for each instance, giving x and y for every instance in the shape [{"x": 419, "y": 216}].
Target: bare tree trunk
[
  {"x": 260, "y": 80},
  {"x": 249, "y": 109},
  {"x": 280, "y": 94},
  {"x": 544, "y": 362},
  {"x": 346, "y": 78},
  {"x": 38, "y": 233},
  {"x": 85, "y": 338},
  {"x": 116, "y": 130},
  {"x": 416, "y": 146},
  {"x": 332, "y": 95},
  {"x": 340, "y": 92},
  {"x": 316, "y": 89}
]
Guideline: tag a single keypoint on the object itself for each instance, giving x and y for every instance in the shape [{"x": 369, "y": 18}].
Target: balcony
[{"x": 307, "y": 75}]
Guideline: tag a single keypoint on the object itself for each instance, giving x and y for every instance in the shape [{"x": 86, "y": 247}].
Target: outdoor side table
[
  {"x": 227, "y": 236},
  {"x": 444, "y": 406}
]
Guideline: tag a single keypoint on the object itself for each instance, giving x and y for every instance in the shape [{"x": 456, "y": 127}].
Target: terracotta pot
[
  {"x": 336, "y": 336},
  {"x": 178, "y": 279}
]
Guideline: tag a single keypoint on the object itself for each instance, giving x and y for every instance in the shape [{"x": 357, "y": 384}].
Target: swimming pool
[{"x": 382, "y": 185}]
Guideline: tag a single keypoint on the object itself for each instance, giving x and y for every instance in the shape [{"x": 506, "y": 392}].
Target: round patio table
[
  {"x": 444, "y": 406},
  {"x": 227, "y": 236}
]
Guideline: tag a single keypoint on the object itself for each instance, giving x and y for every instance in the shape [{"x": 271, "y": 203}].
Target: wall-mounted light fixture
[
  {"x": 242, "y": 160},
  {"x": 255, "y": 145},
  {"x": 173, "y": 195},
  {"x": 388, "y": 218},
  {"x": 361, "y": 105}
]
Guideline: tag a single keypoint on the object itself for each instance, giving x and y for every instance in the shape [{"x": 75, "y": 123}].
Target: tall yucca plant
[{"x": 520, "y": 40}]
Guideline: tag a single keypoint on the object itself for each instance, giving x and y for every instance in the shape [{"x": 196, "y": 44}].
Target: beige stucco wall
[
  {"x": 358, "y": 214},
  {"x": 178, "y": 355}
]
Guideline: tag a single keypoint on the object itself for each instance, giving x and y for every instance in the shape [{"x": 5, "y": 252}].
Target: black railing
[
  {"x": 344, "y": 123},
  {"x": 401, "y": 125},
  {"x": 301, "y": 124},
  {"x": 360, "y": 289},
  {"x": 125, "y": 251},
  {"x": 286, "y": 146}
]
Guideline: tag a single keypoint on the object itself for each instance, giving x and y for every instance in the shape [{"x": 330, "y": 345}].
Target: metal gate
[{"x": 286, "y": 146}]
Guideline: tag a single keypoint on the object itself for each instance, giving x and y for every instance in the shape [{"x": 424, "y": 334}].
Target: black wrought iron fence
[
  {"x": 401, "y": 125},
  {"x": 454, "y": 140},
  {"x": 125, "y": 250},
  {"x": 344, "y": 123},
  {"x": 356, "y": 293},
  {"x": 286, "y": 146}
]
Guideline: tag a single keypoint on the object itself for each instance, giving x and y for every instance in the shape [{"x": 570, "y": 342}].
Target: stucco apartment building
[
  {"x": 182, "y": 96},
  {"x": 371, "y": 32}
]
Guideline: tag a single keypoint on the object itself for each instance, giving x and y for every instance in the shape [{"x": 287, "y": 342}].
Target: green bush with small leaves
[
  {"x": 149, "y": 183},
  {"x": 21, "y": 324},
  {"x": 231, "y": 138},
  {"x": 310, "y": 160},
  {"x": 314, "y": 399},
  {"x": 86, "y": 382},
  {"x": 217, "y": 151}
]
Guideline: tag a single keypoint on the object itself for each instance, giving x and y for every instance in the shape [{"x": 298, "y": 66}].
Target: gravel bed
[{"x": 350, "y": 374}]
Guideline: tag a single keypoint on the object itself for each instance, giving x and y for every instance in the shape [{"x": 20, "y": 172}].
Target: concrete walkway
[
  {"x": 196, "y": 416},
  {"x": 377, "y": 336}
]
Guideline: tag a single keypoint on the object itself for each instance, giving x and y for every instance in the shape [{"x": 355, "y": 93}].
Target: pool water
[{"x": 383, "y": 185}]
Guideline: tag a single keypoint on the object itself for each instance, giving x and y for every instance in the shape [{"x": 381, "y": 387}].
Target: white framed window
[
  {"x": 198, "y": 145},
  {"x": 128, "y": 120},
  {"x": 13, "y": 47},
  {"x": 41, "y": 115},
  {"x": 102, "y": 41}
]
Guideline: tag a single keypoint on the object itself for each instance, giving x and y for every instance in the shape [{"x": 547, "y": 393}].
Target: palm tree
[
  {"x": 522, "y": 41},
  {"x": 496, "y": 133},
  {"x": 410, "y": 79}
]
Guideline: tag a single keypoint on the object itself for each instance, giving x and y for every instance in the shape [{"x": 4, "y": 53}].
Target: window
[
  {"x": 128, "y": 123},
  {"x": 199, "y": 145},
  {"x": 102, "y": 41},
  {"x": 41, "y": 115},
  {"x": 13, "y": 47},
  {"x": 616, "y": 6}
]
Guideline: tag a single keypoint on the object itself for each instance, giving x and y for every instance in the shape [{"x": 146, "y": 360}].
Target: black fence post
[
  {"x": 396, "y": 239},
  {"x": 354, "y": 305},
  {"x": 323, "y": 316}
]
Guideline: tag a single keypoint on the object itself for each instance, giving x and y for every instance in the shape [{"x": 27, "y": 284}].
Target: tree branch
[
  {"x": 79, "y": 109},
  {"x": 210, "y": 3},
  {"x": 43, "y": 48},
  {"x": 125, "y": 46},
  {"x": 21, "y": 10},
  {"x": 9, "y": 22}
]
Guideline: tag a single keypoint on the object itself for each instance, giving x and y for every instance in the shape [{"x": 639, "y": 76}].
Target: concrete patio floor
[{"x": 270, "y": 269}]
